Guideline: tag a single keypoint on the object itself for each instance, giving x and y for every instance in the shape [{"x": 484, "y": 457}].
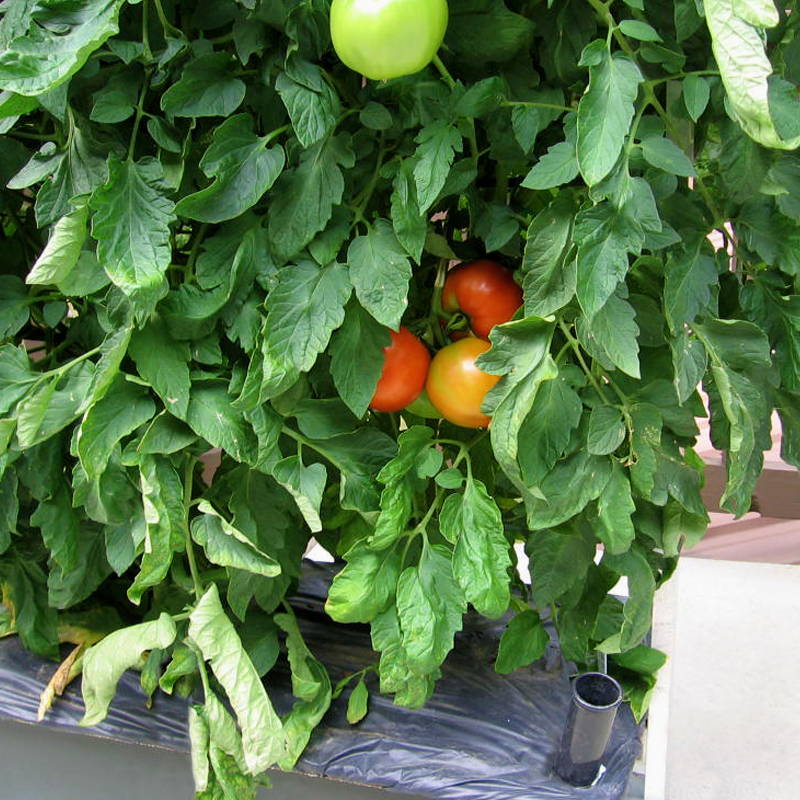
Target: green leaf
[
  {"x": 205, "y": 89},
  {"x": 243, "y": 169},
  {"x": 183, "y": 662},
  {"x": 410, "y": 224},
  {"x": 104, "y": 663},
  {"x": 411, "y": 690},
  {"x": 438, "y": 144},
  {"x": 305, "y": 484},
  {"x": 227, "y": 546},
  {"x": 324, "y": 419},
  {"x": 546, "y": 431},
  {"x": 375, "y": 116},
  {"x": 612, "y": 334},
  {"x": 162, "y": 362},
  {"x": 166, "y": 435},
  {"x": 55, "y": 404},
  {"x": 211, "y": 416},
  {"x": 605, "y": 235},
  {"x": 696, "y": 94},
  {"x": 430, "y": 605},
  {"x": 664, "y": 154},
  {"x": 558, "y": 560},
  {"x": 365, "y": 586},
  {"x": 481, "y": 557},
  {"x": 36, "y": 620},
  {"x": 568, "y": 488},
  {"x": 68, "y": 587},
  {"x": 131, "y": 225},
  {"x": 303, "y": 198},
  {"x": 524, "y": 640},
  {"x": 124, "y": 407},
  {"x": 690, "y": 278},
  {"x": 520, "y": 353},
  {"x": 14, "y": 305},
  {"x": 312, "y": 105},
  {"x": 548, "y": 266},
  {"x": 615, "y": 506},
  {"x": 738, "y": 47},
  {"x": 682, "y": 528},
  {"x": 487, "y": 31},
  {"x": 16, "y": 376},
  {"x": 164, "y": 513},
  {"x": 380, "y": 272},
  {"x": 689, "y": 361},
  {"x": 310, "y": 684},
  {"x": 210, "y": 629},
  {"x": 638, "y": 608},
  {"x": 450, "y": 479},
  {"x": 605, "y": 110},
  {"x": 396, "y": 507},
  {"x": 357, "y": 357},
  {"x": 481, "y": 98},
  {"x": 48, "y": 54},
  {"x": 357, "y": 703},
  {"x": 304, "y": 309},
  {"x": 557, "y": 167},
  {"x": 636, "y": 29},
  {"x": 783, "y": 107},
  {"x": 60, "y": 255},
  {"x": 606, "y": 430}
]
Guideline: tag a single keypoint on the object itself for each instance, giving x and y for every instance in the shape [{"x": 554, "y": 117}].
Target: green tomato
[{"x": 385, "y": 39}]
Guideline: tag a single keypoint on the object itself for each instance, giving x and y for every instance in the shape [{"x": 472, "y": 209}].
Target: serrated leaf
[
  {"x": 227, "y": 546},
  {"x": 481, "y": 557},
  {"x": 205, "y": 89},
  {"x": 312, "y": 105},
  {"x": 47, "y": 55},
  {"x": 105, "y": 662},
  {"x": 131, "y": 223},
  {"x": 524, "y": 640},
  {"x": 123, "y": 408},
  {"x": 243, "y": 169},
  {"x": 14, "y": 305},
  {"x": 605, "y": 113},
  {"x": 430, "y": 605},
  {"x": 380, "y": 273},
  {"x": 263, "y": 740},
  {"x": 557, "y": 167},
  {"x": 689, "y": 279},
  {"x": 409, "y": 223},
  {"x": 60, "y": 255},
  {"x": 614, "y": 507},
  {"x": 606, "y": 430},
  {"x": 437, "y": 145},
  {"x": 605, "y": 236},
  {"x": 365, "y": 586},
  {"x": 664, "y": 154},
  {"x": 558, "y": 560},
  {"x": 305, "y": 484},
  {"x": 612, "y": 333},
  {"x": 304, "y": 309},
  {"x": 549, "y": 270}
]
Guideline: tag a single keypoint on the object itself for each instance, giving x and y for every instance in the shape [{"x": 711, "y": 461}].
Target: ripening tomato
[
  {"x": 485, "y": 291},
  {"x": 456, "y": 386},
  {"x": 385, "y": 39},
  {"x": 405, "y": 367}
]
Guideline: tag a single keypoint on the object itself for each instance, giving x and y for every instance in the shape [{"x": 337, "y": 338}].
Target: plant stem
[
  {"x": 194, "y": 252},
  {"x": 148, "y": 53},
  {"x": 443, "y": 71},
  {"x": 188, "y": 479},
  {"x": 579, "y": 355},
  {"x": 139, "y": 114}
]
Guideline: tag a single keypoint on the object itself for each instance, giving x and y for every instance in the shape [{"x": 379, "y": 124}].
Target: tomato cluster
[{"x": 451, "y": 385}]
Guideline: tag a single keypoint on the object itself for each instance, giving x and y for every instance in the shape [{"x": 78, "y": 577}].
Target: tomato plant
[
  {"x": 405, "y": 368},
  {"x": 210, "y": 224},
  {"x": 384, "y": 39},
  {"x": 457, "y": 386},
  {"x": 485, "y": 291}
]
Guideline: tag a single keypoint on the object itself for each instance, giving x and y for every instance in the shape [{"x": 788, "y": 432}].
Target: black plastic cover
[{"x": 482, "y": 736}]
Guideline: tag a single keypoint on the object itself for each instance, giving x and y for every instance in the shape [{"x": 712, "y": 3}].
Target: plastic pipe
[{"x": 595, "y": 699}]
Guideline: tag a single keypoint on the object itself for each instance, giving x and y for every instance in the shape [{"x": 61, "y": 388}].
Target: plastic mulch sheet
[{"x": 482, "y": 736}]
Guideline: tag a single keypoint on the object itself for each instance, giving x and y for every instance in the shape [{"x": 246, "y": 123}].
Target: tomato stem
[
  {"x": 188, "y": 480},
  {"x": 443, "y": 71},
  {"x": 576, "y": 348}
]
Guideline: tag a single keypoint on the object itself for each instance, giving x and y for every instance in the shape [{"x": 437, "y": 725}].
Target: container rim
[{"x": 610, "y": 685}]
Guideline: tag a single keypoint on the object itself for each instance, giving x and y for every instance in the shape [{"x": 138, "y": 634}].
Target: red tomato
[
  {"x": 485, "y": 291},
  {"x": 405, "y": 367},
  {"x": 456, "y": 387}
]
